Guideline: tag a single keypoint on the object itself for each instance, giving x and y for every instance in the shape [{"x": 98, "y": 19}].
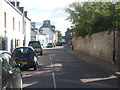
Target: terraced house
[
  {"x": 50, "y": 31},
  {"x": 15, "y": 26}
]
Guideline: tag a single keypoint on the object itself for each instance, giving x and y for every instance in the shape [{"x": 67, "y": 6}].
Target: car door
[
  {"x": 14, "y": 74},
  {"x": 6, "y": 79},
  {"x": 0, "y": 73}
]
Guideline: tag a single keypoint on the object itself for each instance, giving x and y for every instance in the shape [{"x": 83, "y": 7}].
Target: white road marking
[
  {"x": 29, "y": 84},
  {"x": 118, "y": 73},
  {"x": 57, "y": 65},
  {"x": 53, "y": 75},
  {"x": 97, "y": 79}
]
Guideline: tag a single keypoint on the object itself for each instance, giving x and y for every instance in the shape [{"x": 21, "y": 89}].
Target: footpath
[{"x": 97, "y": 62}]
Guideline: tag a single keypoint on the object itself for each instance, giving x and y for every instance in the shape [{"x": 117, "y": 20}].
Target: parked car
[
  {"x": 10, "y": 74},
  {"x": 64, "y": 43},
  {"x": 49, "y": 45},
  {"x": 37, "y": 47},
  {"x": 59, "y": 44},
  {"x": 27, "y": 56},
  {"x": 69, "y": 42}
]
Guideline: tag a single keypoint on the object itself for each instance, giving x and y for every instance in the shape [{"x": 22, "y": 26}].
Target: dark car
[
  {"x": 10, "y": 74},
  {"x": 37, "y": 47},
  {"x": 49, "y": 45},
  {"x": 59, "y": 44},
  {"x": 27, "y": 56}
]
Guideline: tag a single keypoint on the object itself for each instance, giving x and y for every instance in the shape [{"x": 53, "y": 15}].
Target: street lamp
[{"x": 114, "y": 52}]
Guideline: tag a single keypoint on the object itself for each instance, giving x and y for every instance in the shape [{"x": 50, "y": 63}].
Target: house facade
[
  {"x": 43, "y": 38},
  {"x": 49, "y": 30},
  {"x": 15, "y": 25},
  {"x": 34, "y": 31},
  {"x": 68, "y": 35},
  {"x": 37, "y": 35}
]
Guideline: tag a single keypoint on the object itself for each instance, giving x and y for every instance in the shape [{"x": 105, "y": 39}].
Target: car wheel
[
  {"x": 37, "y": 63},
  {"x": 35, "y": 67},
  {"x": 41, "y": 52}
]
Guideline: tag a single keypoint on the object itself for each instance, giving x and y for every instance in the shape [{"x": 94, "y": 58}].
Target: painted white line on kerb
[{"x": 53, "y": 75}]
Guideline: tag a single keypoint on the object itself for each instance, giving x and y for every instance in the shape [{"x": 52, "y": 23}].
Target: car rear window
[
  {"x": 23, "y": 52},
  {"x": 34, "y": 44},
  {"x": 49, "y": 43}
]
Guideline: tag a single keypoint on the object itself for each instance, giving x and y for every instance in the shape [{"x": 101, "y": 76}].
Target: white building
[
  {"x": 37, "y": 35},
  {"x": 15, "y": 25},
  {"x": 50, "y": 33},
  {"x": 49, "y": 30},
  {"x": 43, "y": 38}
]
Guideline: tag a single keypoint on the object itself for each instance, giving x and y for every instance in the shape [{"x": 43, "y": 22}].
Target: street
[{"x": 59, "y": 69}]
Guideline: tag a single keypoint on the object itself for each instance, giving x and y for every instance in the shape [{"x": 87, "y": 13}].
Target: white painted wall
[
  {"x": 44, "y": 39},
  {"x": 1, "y": 16},
  {"x": 28, "y": 31},
  {"x": 33, "y": 35},
  {"x": 50, "y": 33},
  {"x": 16, "y": 34}
]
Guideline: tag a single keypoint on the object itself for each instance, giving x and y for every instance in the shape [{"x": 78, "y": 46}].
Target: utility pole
[{"x": 114, "y": 35}]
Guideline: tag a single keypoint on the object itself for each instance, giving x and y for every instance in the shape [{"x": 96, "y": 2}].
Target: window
[
  {"x": 19, "y": 26},
  {"x": 25, "y": 52},
  {"x": 0, "y": 73},
  {"x": 5, "y": 25},
  {"x": 0, "y": 65},
  {"x": 34, "y": 44},
  {"x": 13, "y": 23},
  {"x": 10, "y": 61},
  {"x": 5, "y": 63},
  {"x": 15, "y": 43}
]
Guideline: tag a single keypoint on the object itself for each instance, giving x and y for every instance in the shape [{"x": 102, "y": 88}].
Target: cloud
[{"x": 53, "y": 10}]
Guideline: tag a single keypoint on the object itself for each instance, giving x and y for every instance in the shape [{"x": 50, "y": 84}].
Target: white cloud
[{"x": 53, "y": 10}]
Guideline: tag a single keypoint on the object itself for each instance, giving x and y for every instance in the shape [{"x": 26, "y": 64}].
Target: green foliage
[
  {"x": 59, "y": 36},
  {"x": 1, "y": 37},
  {"x": 93, "y": 17},
  {"x": 117, "y": 15}
]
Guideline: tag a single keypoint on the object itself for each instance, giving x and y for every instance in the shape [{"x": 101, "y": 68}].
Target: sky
[{"x": 53, "y": 10}]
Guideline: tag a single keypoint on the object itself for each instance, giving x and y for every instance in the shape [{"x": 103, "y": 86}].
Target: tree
[
  {"x": 59, "y": 36},
  {"x": 93, "y": 17}
]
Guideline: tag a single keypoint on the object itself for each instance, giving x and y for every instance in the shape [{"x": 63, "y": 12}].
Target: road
[{"x": 59, "y": 69}]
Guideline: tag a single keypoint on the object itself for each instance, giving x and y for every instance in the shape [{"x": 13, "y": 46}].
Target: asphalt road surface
[{"x": 59, "y": 69}]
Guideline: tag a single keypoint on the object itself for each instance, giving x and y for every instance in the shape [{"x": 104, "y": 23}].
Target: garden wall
[{"x": 99, "y": 45}]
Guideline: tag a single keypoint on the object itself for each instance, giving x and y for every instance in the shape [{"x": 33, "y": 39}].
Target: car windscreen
[
  {"x": 49, "y": 43},
  {"x": 34, "y": 44},
  {"x": 59, "y": 42}
]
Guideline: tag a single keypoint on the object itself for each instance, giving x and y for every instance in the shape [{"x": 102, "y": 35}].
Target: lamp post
[{"x": 114, "y": 50}]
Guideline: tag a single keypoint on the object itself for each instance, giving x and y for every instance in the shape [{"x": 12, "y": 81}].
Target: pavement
[{"x": 97, "y": 62}]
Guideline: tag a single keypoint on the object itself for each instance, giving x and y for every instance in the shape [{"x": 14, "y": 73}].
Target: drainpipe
[{"x": 23, "y": 25}]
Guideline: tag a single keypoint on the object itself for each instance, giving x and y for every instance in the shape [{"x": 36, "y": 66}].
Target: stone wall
[
  {"x": 99, "y": 45},
  {"x": 118, "y": 46}
]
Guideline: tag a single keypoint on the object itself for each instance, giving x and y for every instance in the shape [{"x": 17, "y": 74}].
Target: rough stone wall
[
  {"x": 118, "y": 46},
  {"x": 99, "y": 45}
]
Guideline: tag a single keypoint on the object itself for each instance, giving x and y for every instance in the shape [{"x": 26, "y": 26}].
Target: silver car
[{"x": 10, "y": 74}]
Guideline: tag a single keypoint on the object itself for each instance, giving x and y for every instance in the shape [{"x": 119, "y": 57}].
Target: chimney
[
  {"x": 25, "y": 13},
  {"x": 16, "y": 3},
  {"x": 21, "y": 9}
]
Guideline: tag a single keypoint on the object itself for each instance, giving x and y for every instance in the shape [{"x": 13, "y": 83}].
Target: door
[{"x": 14, "y": 72}]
